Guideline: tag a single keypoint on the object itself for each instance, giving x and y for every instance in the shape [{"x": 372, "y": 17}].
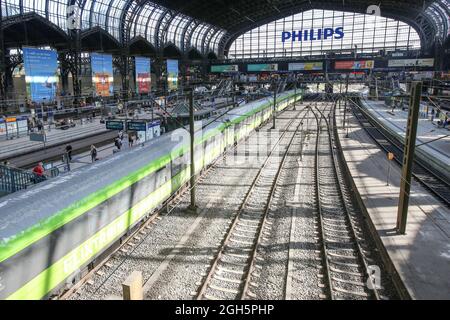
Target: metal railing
[{"x": 13, "y": 179}]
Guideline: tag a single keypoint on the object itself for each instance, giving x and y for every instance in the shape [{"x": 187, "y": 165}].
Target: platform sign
[
  {"x": 102, "y": 74},
  {"x": 305, "y": 66},
  {"x": 225, "y": 68},
  {"x": 143, "y": 79},
  {"x": 114, "y": 125},
  {"x": 41, "y": 74},
  {"x": 354, "y": 65},
  {"x": 172, "y": 74},
  {"x": 261, "y": 67},
  {"x": 136, "y": 125}
]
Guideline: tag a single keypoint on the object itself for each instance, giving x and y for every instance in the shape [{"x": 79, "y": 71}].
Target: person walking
[
  {"x": 118, "y": 143},
  {"x": 69, "y": 152},
  {"x": 93, "y": 153}
]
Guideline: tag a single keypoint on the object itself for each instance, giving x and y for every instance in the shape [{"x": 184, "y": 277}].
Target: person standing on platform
[
  {"x": 93, "y": 153},
  {"x": 446, "y": 119},
  {"x": 130, "y": 140},
  {"x": 432, "y": 114}
]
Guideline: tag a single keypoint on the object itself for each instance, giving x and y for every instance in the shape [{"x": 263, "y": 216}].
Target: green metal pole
[
  {"x": 408, "y": 155},
  {"x": 274, "y": 104},
  {"x": 192, "y": 207}
]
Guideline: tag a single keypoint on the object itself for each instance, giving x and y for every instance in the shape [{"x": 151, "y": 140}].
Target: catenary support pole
[
  {"x": 408, "y": 155},
  {"x": 274, "y": 104},
  {"x": 192, "y": 207}
]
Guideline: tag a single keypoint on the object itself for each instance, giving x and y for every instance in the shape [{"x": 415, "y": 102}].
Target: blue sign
[
  {"x": 136, "y": 125},
  {"x": 311, "y": 35},
  {"x": 114, "y": 124},
  {"x": 41, "y": 73}
]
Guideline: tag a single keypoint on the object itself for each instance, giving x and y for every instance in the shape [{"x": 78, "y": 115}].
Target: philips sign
[{"x": 311, "y": 35}]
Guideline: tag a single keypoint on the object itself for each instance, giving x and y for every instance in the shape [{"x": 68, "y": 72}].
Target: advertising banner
[
  {"x": 172, "y": 74},
  {"x": 143, "y": 79},
  {"x": 41, "y": 74},
  {"x": 262, "y": 67},
  {"x": 301, "y": 66},
  {"x": 354, "y": 65},
  {"x": 411, "y": 63},
  {"x": 225, "y": 68},
  {"x": 102, "y": 74}
]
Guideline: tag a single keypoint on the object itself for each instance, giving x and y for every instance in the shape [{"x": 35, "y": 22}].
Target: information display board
[
  {"x": 411, "y": 63},
  {"x": 114, "y": 124},
  {"x": 354, "y": 65},
  {"x": 143, "y": 79},
  {"x": 136, "y": 126},
  {"x": 172, "y": 74},
  {"x": 225, "y": 68},
  {"x": 41, "y": 73},
  {"x": 305, "y": 66},
  {"x": 102, "y": 74},
  {"x": 262, "y": 67}
]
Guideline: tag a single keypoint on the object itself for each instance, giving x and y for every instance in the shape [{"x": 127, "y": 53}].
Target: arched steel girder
[
  {"x": 126, "y": 21},
  {"x": 166, "y": 15},
  {"x": 148, "y": 20},
  {"x": 187, "y": 36},
  {"x": 207, "y": 38},
  {"x": 164, "y": 27}
]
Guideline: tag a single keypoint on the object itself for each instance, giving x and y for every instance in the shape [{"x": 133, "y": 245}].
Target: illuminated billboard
[
  {"x": 41, "y": 73},
  {"x": 143, "y": 79},
  {"x": 102, "y": 74},
  {"x": 172, "y": 74},
  {"x": 262, "y": 67},
  {"x": 354, "y": 65},
  {"x": 411, "y": 63},
  {"x": 225, "y": 68},
  {"x": 308, "y": 66}
]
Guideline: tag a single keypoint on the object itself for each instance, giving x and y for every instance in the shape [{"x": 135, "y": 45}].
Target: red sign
[{"x": 354, "y": 65}]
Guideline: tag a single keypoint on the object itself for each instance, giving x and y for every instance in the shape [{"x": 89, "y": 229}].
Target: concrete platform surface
[
  {"x": 421, "y": 256},
  {"x": 427, "y": 130}
]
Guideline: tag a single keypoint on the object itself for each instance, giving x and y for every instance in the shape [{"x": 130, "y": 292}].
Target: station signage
[
  {"x": 136, "y": 126},
  {"x": 225, "y": 68},
  {"x": 354, "y": 65},
  {"x": 262, "y": 67},
  {"x": 411, "y": 63},
  {"x": 308, "y": 66},
  {"x": 114, "y": 125},
  {"x": 313, "y": 34}
]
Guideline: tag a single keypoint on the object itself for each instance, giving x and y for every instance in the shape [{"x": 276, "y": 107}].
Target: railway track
[
  {"x": 132, "y": 242},
  {"x": 430, "y": 180},
  {"x": 229, "y": 276},
  {"x": 346, "y": 271}
]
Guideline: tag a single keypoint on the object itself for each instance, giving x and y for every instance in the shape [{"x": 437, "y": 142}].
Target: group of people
[{"x": 442, "y": 119}]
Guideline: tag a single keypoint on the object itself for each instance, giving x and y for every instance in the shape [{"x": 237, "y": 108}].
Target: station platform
[
  {"x": 21, "y": 145},
  {"x": 436, "y": 152},
  {"x": 421, "y": 257}
]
